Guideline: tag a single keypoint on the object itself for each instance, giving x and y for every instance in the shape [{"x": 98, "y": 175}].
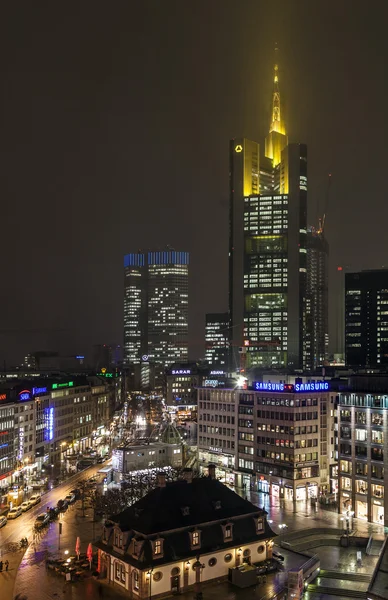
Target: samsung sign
[{"x": 313, "y": 386}]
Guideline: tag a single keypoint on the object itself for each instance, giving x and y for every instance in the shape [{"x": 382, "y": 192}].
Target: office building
[
  {"x": 102, "y": 357},
  {"x": 217, "y": 432},
  {"x": 275, "y": 438},
  {"x": 366, "y": 318},
  {"x": 45, "y": 421},
  {"x": 182, "y": 535},
  {"x": 363, "y": 454},
  {"x": 268, "y": 248},
  {"x": 316, "y": 344},
  {"x": 217, "y": 340},
  {"x": 155, "y": 310}
]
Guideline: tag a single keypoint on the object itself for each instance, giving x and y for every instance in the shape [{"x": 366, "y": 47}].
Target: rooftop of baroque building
[
  {"x": 183, "y": 504},
  {"x": 171, "y": 435},
  {"x": 178, "y": 508}
]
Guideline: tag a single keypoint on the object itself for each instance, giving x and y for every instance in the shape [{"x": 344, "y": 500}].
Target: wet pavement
[{"x": 36, "y": 583}]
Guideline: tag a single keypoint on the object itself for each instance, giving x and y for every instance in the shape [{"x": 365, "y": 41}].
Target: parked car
[
  {"x": 70, "y": 498},
  {"x": 76, "y": 492},
  {"x": 62, "y": 505},
  {"x": 26, "y": 505},
  {"x": 14, "y": 512},
  {"x": 3, "y": 521},
  {"x": 35, "y": 499},
  {"x": 41, "y": 520},
  {"x": 100, "y": 460},
  {"x": 53, "y": 513}
]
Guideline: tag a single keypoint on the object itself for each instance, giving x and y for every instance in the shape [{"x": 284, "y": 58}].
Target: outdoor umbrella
[
  {"x": 78, "y": 547},
  {"x": 89, "y": 554}
]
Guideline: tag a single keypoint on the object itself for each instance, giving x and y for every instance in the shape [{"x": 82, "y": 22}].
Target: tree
[{"x": 136, "y": 485}]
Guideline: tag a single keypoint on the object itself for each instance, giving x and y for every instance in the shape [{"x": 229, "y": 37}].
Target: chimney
[
  {"x": 187, "y": 475},
  {"x": 161, "y": 479},
  {"x": 212, "y": 471}
]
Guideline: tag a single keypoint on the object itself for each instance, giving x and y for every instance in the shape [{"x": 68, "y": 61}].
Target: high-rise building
[
  {"x": 268, "y": 248},
  {"x": 156, "y": 309},
  {"x": 316, "y": 345},
  {"x": 366, "y": 318},
  {"x": 217, "y": 339}
]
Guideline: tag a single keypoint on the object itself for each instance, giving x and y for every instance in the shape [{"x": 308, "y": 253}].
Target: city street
[{"x": 23, "y": 526}]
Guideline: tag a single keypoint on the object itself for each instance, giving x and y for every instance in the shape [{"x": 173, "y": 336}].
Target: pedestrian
[
  {"x": 1, "y": 565},
  {"x": 6, "y": 565},
  {"x": 264, "y": 578}
]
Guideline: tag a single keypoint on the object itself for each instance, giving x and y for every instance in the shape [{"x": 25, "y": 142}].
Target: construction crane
[{"x": 321, "y": 220}]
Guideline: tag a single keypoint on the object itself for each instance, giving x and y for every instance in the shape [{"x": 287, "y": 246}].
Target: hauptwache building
[{"x": 181, "y": 535}]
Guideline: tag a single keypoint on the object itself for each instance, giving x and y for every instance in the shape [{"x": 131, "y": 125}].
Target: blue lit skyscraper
[{"x": 156, "y": 309}]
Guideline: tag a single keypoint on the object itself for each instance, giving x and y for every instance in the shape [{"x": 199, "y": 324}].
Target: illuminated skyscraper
[
  {"x": 366, "y": 318},
  {"x": 268, "y": 248},
  {"x": 217, "y": 340},
  {"x": 156, "y": 309}
]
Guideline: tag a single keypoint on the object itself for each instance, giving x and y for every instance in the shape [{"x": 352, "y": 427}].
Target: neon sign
[
  {"x": 21, "y": 443},
  {"x": 217, "y": 372},
  {"x": 3, "y": 396},
  {"x": 25, "y": 395},
  {"x": 56, "y": 386},
  {"x": 49, "y": 424},
  {"x": 263, "y": 386},
  {"x": 39, "y": 390},
  {"x": 312, "y": 386},
  {"x": 181, "y": 372},
  {"x": 211, "y": 383}
]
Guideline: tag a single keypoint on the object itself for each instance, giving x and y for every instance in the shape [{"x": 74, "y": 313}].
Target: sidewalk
[{"x": 8, "y": 578}]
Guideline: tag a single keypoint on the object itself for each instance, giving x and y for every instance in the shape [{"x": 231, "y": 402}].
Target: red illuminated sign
[{"x": 3, "y": 396}]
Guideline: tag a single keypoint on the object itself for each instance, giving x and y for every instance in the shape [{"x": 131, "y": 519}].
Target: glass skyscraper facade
[
  {"x": 217, "y": 340},
  {"x": 156, "y": 309},
  {"x": 366, "y": 318},
  {"x": 268, "y": 248}
]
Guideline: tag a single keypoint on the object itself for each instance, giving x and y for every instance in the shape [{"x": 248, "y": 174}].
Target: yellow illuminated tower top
[{"x": 277, "y": 139}]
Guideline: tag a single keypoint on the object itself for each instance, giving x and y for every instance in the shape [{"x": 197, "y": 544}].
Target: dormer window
[
  {"x": 137, "y": 546},
  {"x": 157, "y": 546},
  {"x": 217, "y": 504},
  {"x": 195, "y": 539},
  {"x": 228, "y": 532},
  {"x": 118, "y": 540},
  {"x": 185, "y": 511},
  {"x": 259, "y": 525}
]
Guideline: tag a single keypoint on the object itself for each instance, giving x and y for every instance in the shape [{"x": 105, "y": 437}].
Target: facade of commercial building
[
  {"x": 146, "y": 456},
  {"x": 279, "y": 438},
  {"x": 155, "y": 311},
  {"x": 44, "y": 420},
  {"x": 268, "y": 248},
  {"x": 363, "y": 449},
  {"x": 316, "y": 344},
  {"x": 217, "y": 340},
  {"x": 366, "y": 318}
]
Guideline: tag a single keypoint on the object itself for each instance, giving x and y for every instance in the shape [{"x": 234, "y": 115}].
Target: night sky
[{"x": 114, "y": 133}]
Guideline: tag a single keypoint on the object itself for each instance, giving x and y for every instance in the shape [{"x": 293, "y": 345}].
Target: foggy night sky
[{"x": 115, "y": 122}]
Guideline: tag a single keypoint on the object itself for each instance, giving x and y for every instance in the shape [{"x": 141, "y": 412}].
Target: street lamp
[
  {"x": 198, "y": 566},
  {"x": 149, "y": 575}
]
